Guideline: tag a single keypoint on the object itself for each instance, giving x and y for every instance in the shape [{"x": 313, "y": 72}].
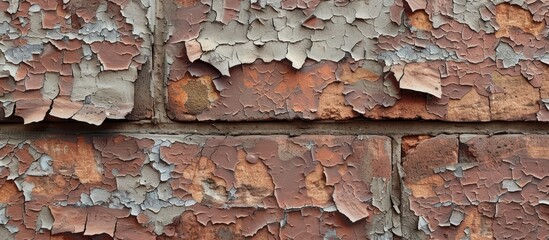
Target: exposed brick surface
[
  {"x": 485, "y": 187},
  {"x": 195, "y": 186}
]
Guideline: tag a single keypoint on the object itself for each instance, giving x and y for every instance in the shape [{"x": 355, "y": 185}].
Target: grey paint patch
[
  {"x": 511, "y": 185},
  {"x": 3, "y": 218},
  {"x": 5, "y": 233},
  {"x": 45, "y": 219},
  {"x": 456, "y": 218},
  {"x": 150, "y": 178},
  {"x": 274, "y": 33},
  {"x": 505, "y": 53},
  {"x": 423, "y": 225},
  {"x": 379, "y": 189},
  {"x": 99, "y": 196},
  {"x": 163, "y": 217},
  {"x": 19, "y": 54},
  {"x": 85, "y": 199},
  {"x": 26, "y": 188},
  {"x": 41, "y": 167}
]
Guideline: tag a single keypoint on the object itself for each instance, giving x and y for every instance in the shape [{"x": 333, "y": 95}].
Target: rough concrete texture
[
  {"x": 477, "y": 186},
  {"x": 393, "y": 59},
  {"x": 73, "y": 59},
  {"x": 147, "y": 187}
]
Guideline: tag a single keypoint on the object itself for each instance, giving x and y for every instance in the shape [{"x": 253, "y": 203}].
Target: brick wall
[{"x": 291, "y": 119}]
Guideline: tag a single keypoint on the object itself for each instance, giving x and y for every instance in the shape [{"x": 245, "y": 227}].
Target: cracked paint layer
[
  {"x": 72, "y": 59},
  {"x": 397, "y": 59},
  {"x": 477, "y": 186},
  {"x": 214, "y": 187}
]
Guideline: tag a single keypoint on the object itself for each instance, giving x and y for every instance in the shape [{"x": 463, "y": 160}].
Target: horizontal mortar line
[{"x": 354, "y": 127}]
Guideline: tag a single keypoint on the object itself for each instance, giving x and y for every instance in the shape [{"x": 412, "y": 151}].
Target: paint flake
[{"x": 419, "y": 77}]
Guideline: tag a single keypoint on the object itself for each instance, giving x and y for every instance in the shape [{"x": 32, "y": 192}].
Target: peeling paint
[
  {"x": 477, "y": 187},
  {"x": 83, "y": 56},
  {"x": 276, "y": 186},
  {"x": 455, "y": 46}
]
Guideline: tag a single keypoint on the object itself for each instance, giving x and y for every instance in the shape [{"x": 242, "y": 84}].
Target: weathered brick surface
[
  {"x": 246, "y": 61},
  {"x": 211, "y": 187},
  {"x": 233, "y": 61},
  {"x": 478, "y": 187},
  {"x": 434, "y": 60},
  {"x": 74, "y": 60}
]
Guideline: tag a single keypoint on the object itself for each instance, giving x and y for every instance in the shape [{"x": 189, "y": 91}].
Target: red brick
[
  {"x": 495, "y": 190},
  {"x": 232, "y": 186},
  {"x": 99, "y": 83},
  {"x": 257, "y": 84}
]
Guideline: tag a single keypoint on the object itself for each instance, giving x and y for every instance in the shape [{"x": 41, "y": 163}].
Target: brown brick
[
  {"x": 420, "y": 20},
  {"x": 252, "y": 180},
  {"x": 73, "y": 156},
  {"x": 331, "y": 104},
  {"x": 263, "y": 84},
  {"x": 410, "y": 106},
  {"x": 250, "y": 94},
  {"x": 190, "y": 96},
  {"x": 9, "y": 192}
]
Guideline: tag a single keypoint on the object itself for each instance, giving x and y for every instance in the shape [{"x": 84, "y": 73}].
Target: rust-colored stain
[
  {"x": 195, "y": 186},
  {"x": 477, "y": 187},
  {"x": 193, "y": 95},
  {"x": 420, "y": 20}
]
